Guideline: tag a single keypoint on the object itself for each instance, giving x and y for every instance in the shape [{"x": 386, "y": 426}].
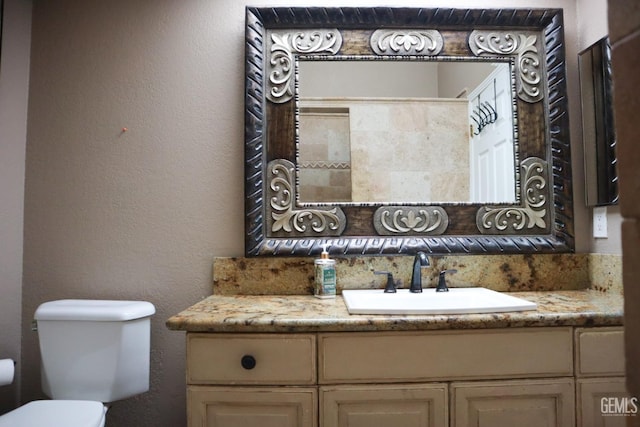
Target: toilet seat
[{"x": 56, "y": 413}]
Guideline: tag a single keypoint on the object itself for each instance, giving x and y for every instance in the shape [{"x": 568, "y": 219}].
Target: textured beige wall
[
  {"x": 141, "y": 214},
  {"x": 14, "y": 80}
]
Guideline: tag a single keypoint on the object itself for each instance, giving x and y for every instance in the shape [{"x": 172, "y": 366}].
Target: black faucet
[{"x": 420, "y": 260}]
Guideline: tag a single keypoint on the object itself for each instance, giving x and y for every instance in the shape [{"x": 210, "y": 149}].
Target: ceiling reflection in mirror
[{"x": 391, "y": 130}]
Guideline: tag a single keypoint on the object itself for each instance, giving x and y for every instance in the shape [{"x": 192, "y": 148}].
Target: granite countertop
[{"x": 304, "y": 313}]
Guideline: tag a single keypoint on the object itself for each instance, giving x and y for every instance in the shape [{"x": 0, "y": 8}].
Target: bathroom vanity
[
  {"x": 293, "y": 360},
  {"x": 299, "y": 361}
]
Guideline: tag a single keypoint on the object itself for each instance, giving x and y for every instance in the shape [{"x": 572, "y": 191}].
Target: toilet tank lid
[{"x": 94, "y": 310}]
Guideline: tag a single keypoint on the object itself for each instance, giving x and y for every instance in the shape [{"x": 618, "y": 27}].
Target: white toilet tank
[{"x": 94, "y": 349}]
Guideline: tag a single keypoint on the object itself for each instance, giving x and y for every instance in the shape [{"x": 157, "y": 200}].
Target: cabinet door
[
  {"x": 600, "y": 352},
  {"x": 399, "y": 405},
  {"x": 521, "y": 403},
  {"x": 604, "y": 402},
  {"x": 252, "y": 406}
]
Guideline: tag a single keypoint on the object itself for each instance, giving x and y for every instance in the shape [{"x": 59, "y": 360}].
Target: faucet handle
[
  {"x": 442, "y": 282},
  {"x": 391, "y": 285}
]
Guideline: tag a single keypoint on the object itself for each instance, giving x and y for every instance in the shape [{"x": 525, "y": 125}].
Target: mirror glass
[{"x": 406, "y": 131}]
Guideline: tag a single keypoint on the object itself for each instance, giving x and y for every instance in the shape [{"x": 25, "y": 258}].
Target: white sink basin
[{"x": 456, "y": 301}]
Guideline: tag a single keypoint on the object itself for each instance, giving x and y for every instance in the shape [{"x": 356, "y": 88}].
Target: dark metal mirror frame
[
  {"x": 601, "y": 161},
  {"x": 277, "y": 224}
]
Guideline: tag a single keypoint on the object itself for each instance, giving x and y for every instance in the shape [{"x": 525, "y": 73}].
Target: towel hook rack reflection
[{"x": 484, "y": 113}]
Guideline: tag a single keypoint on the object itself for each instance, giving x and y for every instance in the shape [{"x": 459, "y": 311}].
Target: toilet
[{"x": 93, "y": 352}]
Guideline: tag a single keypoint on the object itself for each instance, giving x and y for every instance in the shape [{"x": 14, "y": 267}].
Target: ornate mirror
[{"x": 392, "y": 130}]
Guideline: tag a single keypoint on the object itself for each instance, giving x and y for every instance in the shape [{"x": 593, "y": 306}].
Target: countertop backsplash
[{"x": 509, "y": 273}]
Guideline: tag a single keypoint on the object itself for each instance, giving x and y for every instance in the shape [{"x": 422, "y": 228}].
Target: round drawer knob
[{"x": 248, "y": 362}]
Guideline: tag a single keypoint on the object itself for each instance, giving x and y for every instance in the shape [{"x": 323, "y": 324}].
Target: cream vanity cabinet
[
  {"x": 448, "y": 378},
  {"x": 251, "y": 380},
  {"x": 471, "y": 375},
  {"x": 600, "y": 378}
]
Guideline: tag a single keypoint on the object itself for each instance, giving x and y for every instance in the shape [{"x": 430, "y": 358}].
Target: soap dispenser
[{"x": 325, "y": 276}]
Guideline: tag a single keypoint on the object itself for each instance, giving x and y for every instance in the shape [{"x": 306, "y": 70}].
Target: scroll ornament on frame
[
  {"x": 406, "y": 42},
  {"x": 401, "y": 220},
  {"x": 280, "y": 64},
  {"x": 525, "y": 47},
  {"x": 532, "y": 213},
  {"x": 288, "y": 219}
]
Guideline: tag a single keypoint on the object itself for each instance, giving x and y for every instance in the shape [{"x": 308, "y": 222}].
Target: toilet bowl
[
  {"x": 93, "y": 352},
  {"x": 56, "y": 413}
]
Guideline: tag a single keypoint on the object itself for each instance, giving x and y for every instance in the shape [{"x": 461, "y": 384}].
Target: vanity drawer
[
  {"x": 445, "y": 355},
  {"x": 600, "y": 352},
  {"x": 251, "y": 359}
]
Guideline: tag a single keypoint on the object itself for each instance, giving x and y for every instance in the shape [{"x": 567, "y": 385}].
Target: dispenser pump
[
  {"x": 325, "y": 275},
  {"x": 325, "y": 253}
]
